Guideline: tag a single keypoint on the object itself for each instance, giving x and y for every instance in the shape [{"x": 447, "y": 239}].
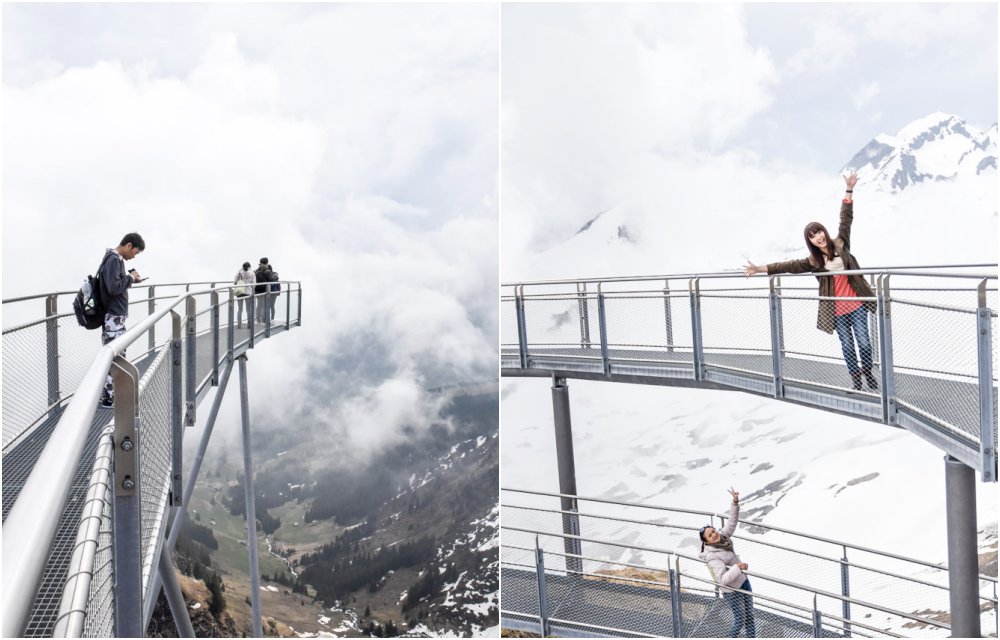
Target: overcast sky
[
  {"x": 354, "y": 145},
  {"x": 603, "y": 103}
]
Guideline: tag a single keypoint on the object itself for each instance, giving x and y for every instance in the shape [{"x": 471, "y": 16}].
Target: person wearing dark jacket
[
  {"x": 115, "y": 283},
  {"x": 261, "y": 275},
  {"x": 837, "y": 310},
  {"x": 727, "y": 569}
]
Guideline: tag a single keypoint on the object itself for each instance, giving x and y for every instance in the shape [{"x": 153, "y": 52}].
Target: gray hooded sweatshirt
[
  {"x": 115, "y": 282},
  {"x": 724, "y": 564}
]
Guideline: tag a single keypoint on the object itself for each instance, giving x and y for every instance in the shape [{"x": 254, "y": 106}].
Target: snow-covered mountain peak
[{"x": 936, "y": 147}]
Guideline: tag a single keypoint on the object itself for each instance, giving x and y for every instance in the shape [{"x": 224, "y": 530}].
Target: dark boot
[
  {"x": 872, "y": 382},
  {"x": 856, "y": 379}
]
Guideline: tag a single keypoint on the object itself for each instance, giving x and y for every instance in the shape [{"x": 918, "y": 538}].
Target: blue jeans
[
  {"x": 742, "y": 606},
  {"x": 855, "y": 322}
]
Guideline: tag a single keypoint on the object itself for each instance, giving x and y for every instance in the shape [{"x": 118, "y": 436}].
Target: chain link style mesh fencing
[{"x": 803, "y": 586}]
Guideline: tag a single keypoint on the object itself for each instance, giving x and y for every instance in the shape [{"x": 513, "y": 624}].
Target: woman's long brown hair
[{"x": 811, "y": 229}]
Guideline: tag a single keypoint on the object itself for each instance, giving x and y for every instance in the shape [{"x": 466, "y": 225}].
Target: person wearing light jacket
[
  {"x": 247, "y": 278},
  {"x": 727, "y": 570}
]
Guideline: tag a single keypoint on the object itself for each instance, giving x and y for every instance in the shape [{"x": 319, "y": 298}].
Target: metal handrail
[
  {"x": 754, "y": 523},
  {"x": 32, "y": 521},
  {"x": 899, "y": 270}
]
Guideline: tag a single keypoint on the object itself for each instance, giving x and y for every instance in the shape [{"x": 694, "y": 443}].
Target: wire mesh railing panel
[
  {"x": 553, "y": 321},
  {"x": 156, "y": 458},
  {"x": 99, "y": 620},
  {"x": 509, "y": 341},
  {"x": 637, "y": 327},
  {"x": 814, "y": 356},
  {"x": 77, "y": 349},
  {"x": 25, "y": 379},
  {"x": 736, "y": 331},
  {"x": 519, "y": 588},
  {"x": 935, "y": 360}
]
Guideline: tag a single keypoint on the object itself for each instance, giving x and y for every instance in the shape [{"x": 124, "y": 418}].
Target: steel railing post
[
  {"x": 581, "y": 292},
  {"x": 298, "y": 288},
  {"x": 231, "y": 331},
  {"x": 215, "y": 338},
  {"x": 987, "y": 424},
  {"x": 249, "y": 496},
  {"x": 543, "y": 599},
  {"x": 845, "y": 590},
  {"x": 781, "y": 319},
  {"x": 602, "y": 321},
  {"x": 150, "y": 310},
  {"x": 873, "y": 329},
  {"x": 817, "y": 620},
  {"x": 288, "y": 307},
  {"x": 776, "y": 341},
  {"x": 252, "y": 318},
  {"x": 172, "y": 589},
  {"x": 697, "y": 348},
  {"x": 522, "y": 337},
  {"x": 268, "y": 309},
  {"x": 127, "y": 507},
  {"x": 566, "y": 465},
  {"x": 52, "y": 347},
  {"x": 888, "y": 390},
  {"x": 963, "y": 559},
  {"x": 191, "y": 359},
  {"x": 675, "y": 598},
  {"x": 668, "y": 316},
  {"x": 176, "y": 408}
]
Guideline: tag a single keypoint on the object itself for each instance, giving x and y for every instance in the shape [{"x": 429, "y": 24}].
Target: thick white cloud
[{"x": 355, "y": 146}]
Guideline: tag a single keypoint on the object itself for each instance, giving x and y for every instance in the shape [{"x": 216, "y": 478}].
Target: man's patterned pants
[{"x": 114, "y": 326}]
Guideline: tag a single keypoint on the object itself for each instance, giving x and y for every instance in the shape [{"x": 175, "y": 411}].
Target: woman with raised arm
[
  {"x": 848, "y": 317},
  {"x": 717, "y": 551}
]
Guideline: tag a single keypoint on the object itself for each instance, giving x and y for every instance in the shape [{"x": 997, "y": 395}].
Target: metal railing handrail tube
[
  {"x": 31, "y": 522},
  {"x": 679, "y": 276},
  {"x": 747, "y": 522}
]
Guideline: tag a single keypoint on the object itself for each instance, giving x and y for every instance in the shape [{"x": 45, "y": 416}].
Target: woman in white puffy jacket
[
  {"x": 727, "y": 570},
  {"x": 247, "y": 278}
]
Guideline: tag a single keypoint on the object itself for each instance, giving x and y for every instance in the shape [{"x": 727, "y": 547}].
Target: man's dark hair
[
  {"x": 263, "y": 260},
  {"x": 135, "y": 240}
]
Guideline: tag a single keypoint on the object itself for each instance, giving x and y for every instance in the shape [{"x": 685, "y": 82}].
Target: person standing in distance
[{"x": 115, "y": 283}]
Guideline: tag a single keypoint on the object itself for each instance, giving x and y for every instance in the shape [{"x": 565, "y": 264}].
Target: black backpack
[{"x": 89, "y": 301}]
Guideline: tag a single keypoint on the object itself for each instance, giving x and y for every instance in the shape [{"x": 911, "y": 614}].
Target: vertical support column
[
  {"x": 776, "y": 340},
  {"x": 268, "y": 307},
  {"x": 52, "y": 347},
  {"x": 581, "y": 292},
  {"x": 298, "y": 320},
  {"x": 987, "y": 420},
  {"x": 215, "y": 338},
  {"x": 176, "y": 410},
  {"x": 698, "y": 351},
  {"x": 172, "y": 589},
  {"x": 127, "y": 508},
  {"x": 781, "y": 318},
  {"x": 817, "y": 620},
  {"x": 522, "y": 337},
  {"x": 668, "y": 316},
  {"x": 845, "y": 590},
  {"x": 231, "y": 330},
  {"x": 873, "y": 329},
  {"x": 150, "y": 310},
  {"x": 543, "y": 598},
  {"x": 567, "y": 472},
  {"x": 288, "y": 307},
  {"x": 888, "y": 390},
  {"x": 675, "y": 598},
  {"x": 963, "y": 559},
  {"x": 252, "y": 302},
  {"x": 258, "y": 630},
  {"x": 602, "y": 321},
  {"x": 191, "y": 359}
]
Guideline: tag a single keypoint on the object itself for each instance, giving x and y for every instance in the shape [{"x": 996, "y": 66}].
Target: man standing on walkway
[
  {"x": 261, "y": 290},
  {"x": 115, "y": 283}
]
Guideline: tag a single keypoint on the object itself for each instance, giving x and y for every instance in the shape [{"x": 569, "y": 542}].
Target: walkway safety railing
[
  {"x": 933, "y": 352},
  {"x": 632, "y": 570},
  {"x": 88, "y": 497}
]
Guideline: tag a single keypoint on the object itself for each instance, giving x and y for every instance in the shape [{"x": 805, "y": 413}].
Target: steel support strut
[
  {"x": 52, "y": 347},
  {"x": 172, "y": 589},
  {"x": 602, "y": 323},
  {"x": 888, "y": 390},
  {"x": 543, "y": 596},
  {"x": 668, "y": 316},
  {"x": 987, "y": 419},
  {"x": 522, "y": 338},
  {"x": 191, "y": 361},
  {"x": 776, "y": 338},
  {"x": 963, "y": 558},
  {"x": 582, "y": 303},
  {"x": 567, "y": 472},
  {"x": 698, "y": 352},
  {"x": 127, "y": 507},
  {"x": 258, "y": 630}
]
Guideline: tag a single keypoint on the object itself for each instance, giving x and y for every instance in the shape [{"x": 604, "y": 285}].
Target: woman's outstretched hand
[
  {"x": 735, "y": 494},
  {"x": 743, "y": 566},
  {"x": 851, "y": 180},
  {"x": 750, "y": 269}
]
